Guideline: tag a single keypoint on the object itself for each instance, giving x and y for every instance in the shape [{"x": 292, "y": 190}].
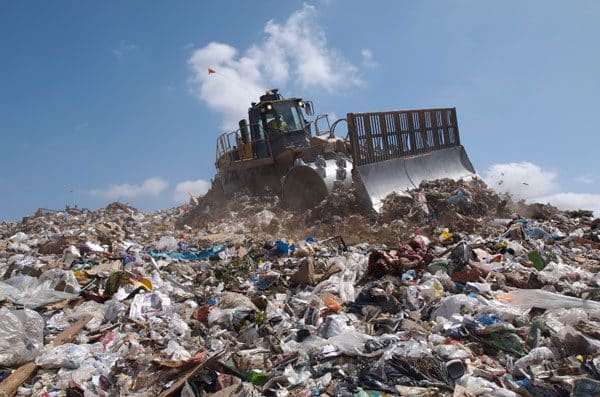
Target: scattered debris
[{"x": 451, "y": 290}]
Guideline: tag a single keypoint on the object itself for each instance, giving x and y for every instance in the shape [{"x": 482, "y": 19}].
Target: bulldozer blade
[
  {"x": 398, "y": 175},
  {"x": 395, "y": 151}
]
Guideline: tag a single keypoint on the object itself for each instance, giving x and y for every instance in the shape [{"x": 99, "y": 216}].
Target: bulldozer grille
[{"x": 381, "y": 136}]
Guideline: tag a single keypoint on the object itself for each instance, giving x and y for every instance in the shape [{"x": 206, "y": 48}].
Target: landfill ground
[{"x": 451, "y": 290}]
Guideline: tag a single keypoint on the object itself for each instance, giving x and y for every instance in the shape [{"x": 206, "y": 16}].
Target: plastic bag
[
  {"x": 63, "y": 320},
  {"x": 264, "y": 217},
  {"x": 21, "y": 336},
  {"x": 68, "y": 355},
  {"x": 481, "y": 387},
  {"x": 232, "y": 300},
  {"x": 115, "y": 310},
  {"x": 535, "y": 356},
  {"x": 350, "y": 343},
  {"x": 19, "y": 237},
  {"x": 60, "y": 280},
  {"x": 32, "y": 292},
  {"x": 220, "y": 317},
  {"x": 91, "y": 366},
  {"x": 340, "y": 283},
  {"x": 454, "y": 304},
  {"x": 166, "y": 243},
  {"x": 176, "y": 352},
  {"x": 148, "y": 305},
  {"x": 569, "y": 316},
  {"x": 18, "y": 247},
  {"x": 528, "y": 298},
  {"x": 334, "y": 326},
  {"x": 451, "y": 352}
]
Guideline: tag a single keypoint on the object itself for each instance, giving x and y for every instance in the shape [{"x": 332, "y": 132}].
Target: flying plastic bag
[{"x": 21, "y": 336}]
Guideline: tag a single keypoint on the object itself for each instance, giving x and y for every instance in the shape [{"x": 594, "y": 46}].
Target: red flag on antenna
[{"x": 211, "y": 71}]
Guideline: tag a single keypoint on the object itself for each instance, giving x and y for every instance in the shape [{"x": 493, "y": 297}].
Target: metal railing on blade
[{"x": 382, "y": 136}]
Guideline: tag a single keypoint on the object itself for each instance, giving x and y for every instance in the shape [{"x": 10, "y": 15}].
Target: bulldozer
[{"x": 278, "y": 150}]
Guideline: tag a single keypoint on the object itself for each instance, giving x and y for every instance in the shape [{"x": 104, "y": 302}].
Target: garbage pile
[{"x": 451, "y": 290}]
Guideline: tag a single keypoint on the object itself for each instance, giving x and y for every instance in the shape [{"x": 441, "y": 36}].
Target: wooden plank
[
  {"x": 187, "y": 374},
  {"x": 70, "y": 333},
  {"x": 10, "y": 385}
]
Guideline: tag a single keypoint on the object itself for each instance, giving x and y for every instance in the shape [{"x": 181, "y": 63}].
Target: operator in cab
[{"x": 277, "y": 123}]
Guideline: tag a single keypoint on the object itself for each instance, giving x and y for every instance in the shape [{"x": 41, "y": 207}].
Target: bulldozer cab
[
  {"x": 276, "y": 131},
  {"x": 281, "y": 123}
]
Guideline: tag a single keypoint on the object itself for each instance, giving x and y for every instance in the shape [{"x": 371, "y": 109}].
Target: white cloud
[
  {"x": 522, "y": 180},
  {"x": 367, "y": 56},
  {"x": 588, "y": 180},
  {"x": 232, "y": 88},
  {"x": 151, "y": 187},
  {"x": 530, "y": 182},
  {"x": 196, "y": 188},
  {"x": 573, "y": 201},
  {"x": 294, "y": 52},
  {"x": 123, "y": 48}
]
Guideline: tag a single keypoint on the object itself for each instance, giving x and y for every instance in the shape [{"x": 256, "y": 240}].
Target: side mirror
[{"x": 308, "y": 108}]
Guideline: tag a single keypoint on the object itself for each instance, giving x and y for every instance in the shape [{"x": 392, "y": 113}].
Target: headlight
[
  {"x": 300, "y": 103},
  {"x": 269, "y": 107}
]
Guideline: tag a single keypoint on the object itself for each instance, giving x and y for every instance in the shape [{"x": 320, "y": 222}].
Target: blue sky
[{"x": 109, "y": 100}]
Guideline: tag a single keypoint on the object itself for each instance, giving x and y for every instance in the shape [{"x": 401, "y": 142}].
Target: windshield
[{"x": 284, "y": 117}]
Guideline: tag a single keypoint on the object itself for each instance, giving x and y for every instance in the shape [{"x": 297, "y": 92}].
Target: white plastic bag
[
  {"x": 166, "y": 243},
  {"x": 32, "y": 292},
  {"x": 68, "y": 355},
  {"x": 63, "y": 320},
  {"x": 535, "y": 356},
  {"x": 21, "y": 336},
  {"x": 115, "y": 311},
  {"x": 528, "y": 298},
  {"x": 454, "y": 304},
  {"x": 176, "y": 352},
  {"x": 147, "y": 305},
  {"x": 336, "y": 325},
  {"x": 264, "y": 217}
]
